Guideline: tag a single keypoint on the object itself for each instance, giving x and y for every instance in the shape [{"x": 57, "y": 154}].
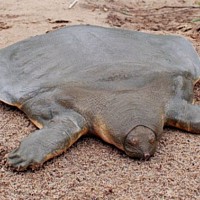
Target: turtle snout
[{"x": 146, "y": 156}]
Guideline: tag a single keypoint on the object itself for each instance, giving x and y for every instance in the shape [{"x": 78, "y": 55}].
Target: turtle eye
[
  {"x": 135, "y": 142},
  {"x": 151, "y": 140}
]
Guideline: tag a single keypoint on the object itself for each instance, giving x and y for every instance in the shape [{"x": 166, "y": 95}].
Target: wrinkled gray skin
[{"x": 120, "y": 85}]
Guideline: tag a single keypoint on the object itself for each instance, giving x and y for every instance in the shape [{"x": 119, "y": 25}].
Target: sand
[{"x": 92, "y": 169}]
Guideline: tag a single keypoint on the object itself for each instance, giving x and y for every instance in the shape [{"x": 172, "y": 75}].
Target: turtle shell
[{"x": 93, "y": 58}]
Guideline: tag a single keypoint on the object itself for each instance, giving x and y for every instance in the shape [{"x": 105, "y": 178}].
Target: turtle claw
[
  {"x": 15, "y": 161},
  {"x": 13, "y": 155}
]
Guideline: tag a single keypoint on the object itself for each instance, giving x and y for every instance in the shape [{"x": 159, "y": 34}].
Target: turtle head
[{"x": 140, "y": 143}]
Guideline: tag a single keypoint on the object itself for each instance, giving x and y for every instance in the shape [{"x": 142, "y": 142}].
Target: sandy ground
[{"x": 91, "y": 169}]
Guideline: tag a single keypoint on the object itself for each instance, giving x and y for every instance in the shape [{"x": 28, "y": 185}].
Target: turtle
[{"x": 121, "y": 85}]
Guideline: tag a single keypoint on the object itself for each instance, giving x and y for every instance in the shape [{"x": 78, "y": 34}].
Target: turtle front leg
[
  {"x": 183, "y": 115},
  {"x": 52, "y": 140}
]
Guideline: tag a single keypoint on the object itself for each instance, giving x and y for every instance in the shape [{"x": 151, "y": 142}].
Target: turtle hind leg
[
  {"x": 52, "y": 140},
  {"x": 184, "y": 115}
]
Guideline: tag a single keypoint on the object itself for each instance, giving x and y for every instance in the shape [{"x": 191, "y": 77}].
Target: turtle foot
[{"x": 22, "y": 158}]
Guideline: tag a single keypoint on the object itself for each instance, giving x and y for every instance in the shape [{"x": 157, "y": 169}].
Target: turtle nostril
[{"x": 146, "y": 156}]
